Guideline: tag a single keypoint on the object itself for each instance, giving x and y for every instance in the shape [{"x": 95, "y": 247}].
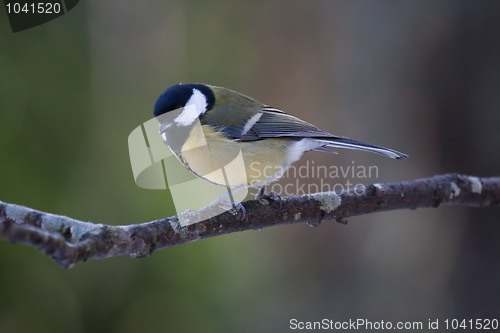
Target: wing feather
[{"x": 273, "y": 124}]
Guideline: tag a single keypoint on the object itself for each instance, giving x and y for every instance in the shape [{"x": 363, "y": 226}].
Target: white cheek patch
[
  {"x": 195, "y": 106},
  {"x": 188, "y": 116},
  {"x": 250, "y": 123},
  {"x": 199, "y": 100}
]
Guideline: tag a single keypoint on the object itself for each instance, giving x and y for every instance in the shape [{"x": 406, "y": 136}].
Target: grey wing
[
  {"x": 274, "y": 123},
  {"x": 248, "y": 125}
]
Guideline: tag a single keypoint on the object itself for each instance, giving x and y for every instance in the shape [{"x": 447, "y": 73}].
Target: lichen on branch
[{"x": 69, "y": 241}]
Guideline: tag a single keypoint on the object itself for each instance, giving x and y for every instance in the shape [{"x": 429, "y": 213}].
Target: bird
[{"x": 207, "y": 127}]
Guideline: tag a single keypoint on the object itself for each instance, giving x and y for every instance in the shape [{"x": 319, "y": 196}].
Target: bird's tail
[{"x": 341, "y": 142}]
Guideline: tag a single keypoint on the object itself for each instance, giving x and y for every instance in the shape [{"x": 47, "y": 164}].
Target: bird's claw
[
  {"x": 270, "y": 197},
  {"x": 239, "y": 207}
]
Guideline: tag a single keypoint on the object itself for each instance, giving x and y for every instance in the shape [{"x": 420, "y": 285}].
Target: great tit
[{"x": 214, "y": 125}]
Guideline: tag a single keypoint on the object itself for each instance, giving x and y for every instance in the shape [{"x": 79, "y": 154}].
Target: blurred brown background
[{"x": 418, "y": 76}]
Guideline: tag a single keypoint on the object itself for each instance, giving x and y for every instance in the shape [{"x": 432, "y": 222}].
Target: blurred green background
[{"x": 418, "y": 76}]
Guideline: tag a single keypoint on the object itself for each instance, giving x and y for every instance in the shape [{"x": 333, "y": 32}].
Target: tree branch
[{"x": 69, "y": 241}]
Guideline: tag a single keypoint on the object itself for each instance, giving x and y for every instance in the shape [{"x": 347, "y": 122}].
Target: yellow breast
[{"x": 212, "y": 156}]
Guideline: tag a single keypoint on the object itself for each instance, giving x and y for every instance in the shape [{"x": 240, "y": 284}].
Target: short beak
[{"x": 164, "y": 126}]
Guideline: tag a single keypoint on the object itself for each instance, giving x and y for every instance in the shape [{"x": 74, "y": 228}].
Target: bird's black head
[{"x": 177, "y": 96}]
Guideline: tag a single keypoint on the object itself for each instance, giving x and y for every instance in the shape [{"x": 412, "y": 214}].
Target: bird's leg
[
  {"x": 228, "y": 199},
  {"x": 260, "y": 194},
  {"x": 272, "y": 196},
  {"x": 236, "y": 206}
]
